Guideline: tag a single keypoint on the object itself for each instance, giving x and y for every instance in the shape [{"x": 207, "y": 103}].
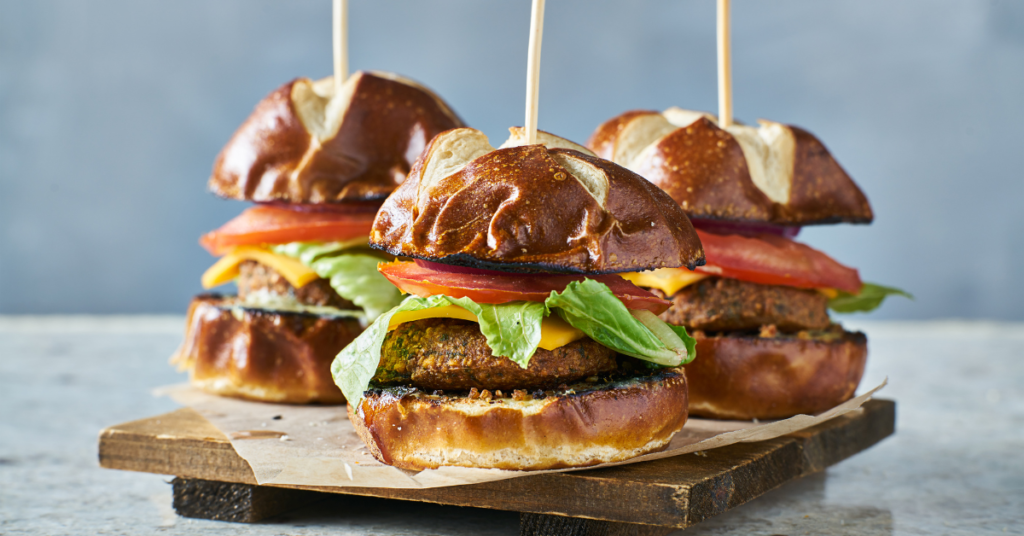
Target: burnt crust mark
[{"x": 619, "y": 379}]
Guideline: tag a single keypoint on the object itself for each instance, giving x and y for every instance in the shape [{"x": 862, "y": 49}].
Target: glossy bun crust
[
  {"x": 306, "y": 144},
  {"x": 262, "y": 355},
  {"x": 538, "y": 207},
  {"x": 585, "y": 425},
  {"x": 749, "y": 377},
  {"x": 774, "y": 173}
]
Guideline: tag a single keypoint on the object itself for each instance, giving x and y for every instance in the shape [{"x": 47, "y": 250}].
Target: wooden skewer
[
  {"x": 724, "y": 67},
  {"x": 533, "y": 70},
  {"x": 340, "y": 27}
]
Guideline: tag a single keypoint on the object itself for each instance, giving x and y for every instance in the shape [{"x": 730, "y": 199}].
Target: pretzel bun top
[
  {"x": 551, "y": 207},
  {"x": 774, "y": 173},
  {"x": 308, "y": 143}
]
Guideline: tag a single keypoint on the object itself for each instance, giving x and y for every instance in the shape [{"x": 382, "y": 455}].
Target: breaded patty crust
[
  {"x": 719, "y": 304},
  {"x": 254, "y": 277},
  {"x": 449, "y": 354}
]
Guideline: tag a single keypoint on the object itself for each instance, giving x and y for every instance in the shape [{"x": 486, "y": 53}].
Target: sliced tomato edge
[
  {"x": 222, "y": 239},
  {"x": 419, "y": 286}
]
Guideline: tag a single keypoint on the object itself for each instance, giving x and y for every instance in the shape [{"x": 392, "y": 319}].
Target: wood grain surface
[{"x": 674, "y": 492}]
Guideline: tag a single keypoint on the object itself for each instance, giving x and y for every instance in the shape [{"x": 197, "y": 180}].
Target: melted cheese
[
  {"x": 667, "y": 280},
  {"x": 830, "y": 293},
  {"x": 554, "y": 332},
  {"x": 226, "y": 269}
]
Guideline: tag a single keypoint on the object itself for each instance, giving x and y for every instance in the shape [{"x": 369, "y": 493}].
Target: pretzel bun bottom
[
  {"x": 586, "y": 424},
  {"x": 257, "y": 354},
  {"x": 749, "y": 377}
]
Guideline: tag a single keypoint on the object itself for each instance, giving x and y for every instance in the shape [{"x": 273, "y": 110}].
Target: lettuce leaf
[
  {"x": 352, "y": 275},
  {"x": 870, "y": 298},
  {"x": 513, "y": 330},
  {"x": 357, "y": 363},
  {"x": 592, "y": 308},
  {"x": 307, "y": 252},
  {"x": 689, "y": 342}
]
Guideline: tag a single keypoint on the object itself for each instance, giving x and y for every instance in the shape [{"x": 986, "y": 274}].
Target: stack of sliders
[
  {"x": 520, "y": 346},
  {"x": 759, "y": 306},
  {"x": 318, "y": 159}
]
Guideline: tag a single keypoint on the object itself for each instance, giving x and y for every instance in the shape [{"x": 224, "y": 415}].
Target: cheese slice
[
  {"x": 667, "y": 280},
  {"x": 554, "y": 332},
  {"x": 830, "y": 293},
  {"x": 226, "y": 269}
]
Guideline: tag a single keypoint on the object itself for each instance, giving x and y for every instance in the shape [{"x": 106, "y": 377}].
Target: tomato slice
[
  {"x": 274, "y": 224},
  {"x": 774, "y": 260},
  {"x": 487, "y": 286}
]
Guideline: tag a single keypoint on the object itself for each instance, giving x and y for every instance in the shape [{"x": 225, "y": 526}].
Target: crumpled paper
[{"x": 317, "y": 445}]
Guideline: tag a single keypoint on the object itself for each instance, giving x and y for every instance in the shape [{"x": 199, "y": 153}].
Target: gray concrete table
[{"x": 955, "y": 465}]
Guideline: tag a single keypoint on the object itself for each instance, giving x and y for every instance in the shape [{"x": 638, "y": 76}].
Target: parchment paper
[{"x": 317, "y": 445}]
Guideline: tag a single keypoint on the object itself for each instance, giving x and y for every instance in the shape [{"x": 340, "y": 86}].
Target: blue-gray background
[{"x": 111, "y": 113}]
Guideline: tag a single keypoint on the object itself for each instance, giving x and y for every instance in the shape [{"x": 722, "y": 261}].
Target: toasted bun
[
  {"x": 585, "y": 425},
  {"x": 306, "y": 143},
  {"x": 546, "y": 207},
  {"x": 749, "y": 377},
  {"x": 774, "y": 173},
  {"x": 263, "y": 355}
]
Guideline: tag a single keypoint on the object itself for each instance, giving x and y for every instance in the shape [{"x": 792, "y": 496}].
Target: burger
[
  {"x": 758, "y": 307},
  {"x": 519, "y": 345},
  {"x": 317, "y": 162}
]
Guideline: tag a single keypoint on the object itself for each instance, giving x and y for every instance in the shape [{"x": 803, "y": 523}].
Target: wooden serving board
[{"x": 644, "y": 498}]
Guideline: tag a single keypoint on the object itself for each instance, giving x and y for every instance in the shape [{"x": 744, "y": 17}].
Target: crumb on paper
[{"x": 285, "y": 438}]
